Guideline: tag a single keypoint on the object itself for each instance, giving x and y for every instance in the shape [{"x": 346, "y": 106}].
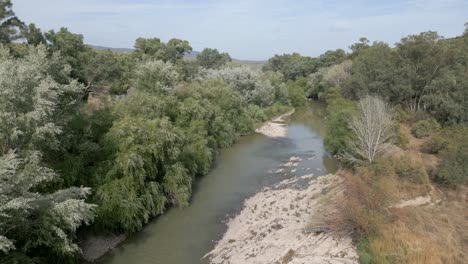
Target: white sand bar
[
  {"x": 272, "y": 228},
  {"x": 275, "y": 128}
]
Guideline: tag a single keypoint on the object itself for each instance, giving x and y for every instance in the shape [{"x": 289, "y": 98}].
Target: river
[{"x": 184, "y": 235}]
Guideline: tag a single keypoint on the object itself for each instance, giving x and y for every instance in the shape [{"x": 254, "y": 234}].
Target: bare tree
[{"x": 372, "y": 127}]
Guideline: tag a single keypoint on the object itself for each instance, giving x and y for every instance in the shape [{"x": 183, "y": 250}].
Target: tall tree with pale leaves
[{"x": 36, "y": 95}]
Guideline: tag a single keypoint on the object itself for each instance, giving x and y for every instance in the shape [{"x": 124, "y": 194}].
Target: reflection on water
[{"x": 183, "y": 236}]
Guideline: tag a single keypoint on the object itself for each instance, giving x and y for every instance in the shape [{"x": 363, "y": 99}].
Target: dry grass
[
  {"x": 428, "y": 234},
  {"x": 434, "y": 233}
]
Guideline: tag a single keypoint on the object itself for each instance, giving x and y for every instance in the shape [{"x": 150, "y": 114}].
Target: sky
[{"x": 255, "y": 29}]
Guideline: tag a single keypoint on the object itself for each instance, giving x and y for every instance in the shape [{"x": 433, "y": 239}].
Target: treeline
[{"x": 133, "y": 130}]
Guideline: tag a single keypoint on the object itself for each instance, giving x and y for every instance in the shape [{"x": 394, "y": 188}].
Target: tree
[
  {"x": 331, "y": 57},
  {"x": 372, "y": 127},
  {"x": 422, "y": 58},
  {"x": 155, "y": 49},
  {"x": 145, "y": 170},
  {"x": 375, "y": 72},
  {"x": 71, "y": 48},
  {"x": 152, "y": 47},
  {"x": 246, "y": 81},
  {"x": 33, "y": 35},
  {"x": 263, "y": 94},
  {"x": 358, "y": 47},
  {"x": 212, "y": 58},
  {"x": 31, "y": 221},
  {"x": 35, "y": 105},
  {"x": 102, "y": 68},
  {"x": 292, "y": 66},
  {"x": 155, "y": 76},
  {"x": 35, "y": 219},
  {"x": 10, "y": 25},
  {"x": 175, "y": 50}
]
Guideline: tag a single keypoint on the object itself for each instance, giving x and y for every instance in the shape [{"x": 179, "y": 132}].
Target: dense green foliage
[
  {"x": 291, "y": 66},
  {"x": 339, "y": 112},
  {"x": 34, "y": 110},
  {"x": 425, "y": 127},
  {"x": 452, "y": 147},
  {"x": 294, "y": 66},
  {"x": 212, "y": 59},
  {"x": 136, "y": 129}
]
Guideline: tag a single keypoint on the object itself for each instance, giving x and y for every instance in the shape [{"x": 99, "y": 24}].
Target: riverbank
[
  {"x": 286, "y": 224},
  {"x": 277, "y": 127}
]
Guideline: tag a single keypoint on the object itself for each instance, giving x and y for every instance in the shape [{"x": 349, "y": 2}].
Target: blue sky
[{"x": 255, "y": 29}]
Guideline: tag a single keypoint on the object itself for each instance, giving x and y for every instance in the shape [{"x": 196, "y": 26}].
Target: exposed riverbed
[{"x": 185, "y": 235}]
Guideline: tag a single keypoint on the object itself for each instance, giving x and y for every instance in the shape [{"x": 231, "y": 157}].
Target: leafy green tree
[
  {"x": 149, "y": 46},
  {"x": 155, "y": 76},
  {"x": 32, "y": 222},
  {"x": 339, "y": 134},
  {"x": 446, "y": 98},
  {"x": 241, "y": 79},
  {"x": 356, "y": 48},
  {"x": 33, "y": 35},
  {"x": 153, "y": 48},
  {"x": 330, "y": 58},
  {"x": 175, "y": 50},
  {"x": 212, "y": 58},
  {"x": 296, "y": 92},
  {"x": 35, "y": 106},
  {"x": 71, "y": 48},
  {"x": 34, "y": 110},
  {"x": 375, "y": 72},
  {"x": 263, "y": 94},
  {"x": 144, "y": 175},
  {"x": 10, "y": 25},
  {"x": 325, "y": 79},
  {"x": 188, "y": 69},
  {"x": 102, "y": 69},
  {"x": 292, "y": 66},
  {"x": 422, "y": 59}
]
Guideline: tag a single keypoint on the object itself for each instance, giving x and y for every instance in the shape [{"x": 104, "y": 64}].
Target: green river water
[{"x": 184, "y": 236}]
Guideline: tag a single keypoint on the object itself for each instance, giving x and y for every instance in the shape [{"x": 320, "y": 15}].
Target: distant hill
[
  {"x": 188, "y": 56},
  {"x": 193, "y": 55},
  {"x": 112, "y": 49}
]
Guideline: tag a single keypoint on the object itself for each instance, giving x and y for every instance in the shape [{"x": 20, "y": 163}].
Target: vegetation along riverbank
[{"x": 96, "y": 143}]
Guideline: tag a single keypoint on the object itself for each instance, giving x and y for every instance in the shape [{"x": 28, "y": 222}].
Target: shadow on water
[{"x": 182, "y": 236}]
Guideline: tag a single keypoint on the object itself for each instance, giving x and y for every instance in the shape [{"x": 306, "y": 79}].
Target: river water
[{"x": 184, "y": 236}]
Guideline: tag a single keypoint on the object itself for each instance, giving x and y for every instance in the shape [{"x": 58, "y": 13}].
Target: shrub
[
  {"x": 434, "y": 145},
  {"x": 402, "y": 115},
  {"x": 339, "y": 111},
  {"x": 257, "y": 113},
  {"x": 275, "y": 110},
  {"x": 401, "y": 139},
  {"x": 410, "y": 170},
  {"x": 453, "y": 168},
  {"x": 425, "y": 127},
  {"x": 296, "y": 94}
]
